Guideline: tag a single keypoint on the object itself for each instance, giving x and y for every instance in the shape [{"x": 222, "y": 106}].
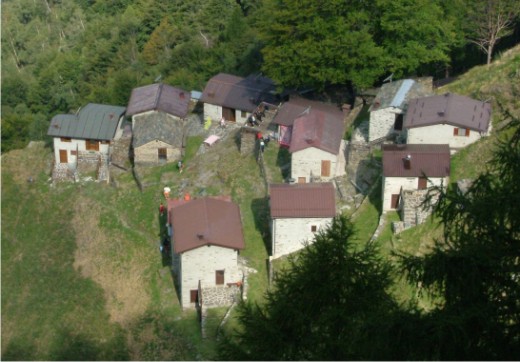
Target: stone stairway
[{"x": 103, "y": 174}]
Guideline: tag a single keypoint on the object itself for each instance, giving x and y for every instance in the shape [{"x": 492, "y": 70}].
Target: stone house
[
  {"x": 235, "y": 98},
  {"x": 206, "y": 236},
  {"x": 86, "y": 134},
  {"x": 388, "y": 108},
  {"x": 449, "y": 118},
  {"x": 298, "y": 212},
  {"x": 294, "y": 108},
  {"x": 317, "y": 147},
  {"x": 412, "y": 167},
  {"x": 158, "y": 112}
]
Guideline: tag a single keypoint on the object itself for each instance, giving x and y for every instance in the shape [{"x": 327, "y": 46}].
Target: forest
[{"x": 59, "y": 55}]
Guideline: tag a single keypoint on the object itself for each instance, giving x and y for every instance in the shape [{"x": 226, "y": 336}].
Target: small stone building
[
  {"x": 388, "y": 108},
  {"x": 317, "y": 147},
  {"x": 158, "y": 112},
  {"x": 84, "y": 139},
  {"x": 206, "y": 236},
  {"x": 298, "y": 212},
  {"x": 235, "y": 98},
  {"x": 410, "y": 168},
  {"x": 449, "y": 118}
]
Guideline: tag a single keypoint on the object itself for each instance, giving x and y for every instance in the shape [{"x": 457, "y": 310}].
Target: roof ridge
[{"x": 157, "y": 96}]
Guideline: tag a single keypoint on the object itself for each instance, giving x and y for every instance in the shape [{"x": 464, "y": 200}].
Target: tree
[
  {"x": 414, "y": 34},
  {"x": 489, "y": 21},
  {"x": 475, "y": 269},
  {"x": 309, "y": 43},
  {"x": 331, "y": 304},
  {"x": 161, "y": 42}
]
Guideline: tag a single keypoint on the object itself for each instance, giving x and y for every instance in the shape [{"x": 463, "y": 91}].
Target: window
[
  {"x": 74, "y": 153},
  {"x": 194, "y": 296},
  {"x": 92, "y": 145},
  {"x": 105, "y": 142},
  {"x": 243, "y": 114},
  {"x": 461, "y": 132},
  {"x": 162, "y": 153},
  {"x": 66, "y": 139},
  {"x": 423, "y": 183},
  {"x": 314, "y": 228},
  {"x": 219, "y": 277}
]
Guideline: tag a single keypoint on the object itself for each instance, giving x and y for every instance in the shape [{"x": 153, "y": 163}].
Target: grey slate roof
[
  {"x": 94, "y": 121},
  {"x": 432, "y": 160},
  {"x": 396, "y": 94},
  {"x": 302, "y": 200},
  {"x": 159, "y": 97},
  {"x": 450, "y": 108},
  {"x": 157, "y": 126},
  {"x": 234, "y": 92}
]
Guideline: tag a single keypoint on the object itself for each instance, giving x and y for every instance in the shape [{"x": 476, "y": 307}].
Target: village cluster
[{"x": 416, "y": 130}]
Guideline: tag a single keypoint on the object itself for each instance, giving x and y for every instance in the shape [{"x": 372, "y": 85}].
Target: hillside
[{"x": 82, "y": 276}]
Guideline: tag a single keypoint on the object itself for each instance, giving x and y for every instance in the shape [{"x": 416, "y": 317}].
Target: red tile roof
[
  {"x": 317, "y": 129},
  {"x": 234, "y": 92},
  {"x": 430, "y": 160},
  {"x": 205, "y": 221},
  {"x": 302, "y": 200},
  {"x": 453, "y": 109},
  {"x": 159, "y": 97}
]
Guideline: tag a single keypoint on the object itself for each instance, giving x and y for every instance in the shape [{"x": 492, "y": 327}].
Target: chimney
[
  {"x": 181, "y": 95},
  {"x": 407, "y": 161},
  {"x": 200, "y": 236}
]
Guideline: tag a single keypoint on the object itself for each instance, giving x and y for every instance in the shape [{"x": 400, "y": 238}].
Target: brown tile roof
[
  {"x": 317, "y": 129},
  {"x": 296, "y": 106},
  {"x": 159, "y": 97},
  {"x": 302, "y": 200},
  {"x": 234, "y": 92},
  {"x": 205, "y": 221},
  {"x": 431, "y": 160},
  {"x": 453, "y": 109}
]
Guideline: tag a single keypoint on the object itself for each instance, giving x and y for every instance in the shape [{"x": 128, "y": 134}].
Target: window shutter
[
  {"x": 467, "y": 132},
  {"x": 455, "y": 131}
]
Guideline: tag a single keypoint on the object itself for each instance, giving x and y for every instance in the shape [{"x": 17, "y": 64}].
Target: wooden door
[
  {"x": 398, "y": 124},
  {"x": 194, "y": 296},
  {"x": 301, "y": 180},
  {"x": 228, "y": 114},
  {"x": 325, "y": 168},
  {"x": 63, "y": 156},
  {"x": 394, "y": 203},
  {"x": 219, "y": 277},
  {"x": 423, "y": 183}
]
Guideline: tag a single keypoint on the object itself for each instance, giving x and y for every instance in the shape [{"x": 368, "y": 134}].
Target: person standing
[
  {"x": 161, "y": 209},
  {"x": 262, "y": 145}
]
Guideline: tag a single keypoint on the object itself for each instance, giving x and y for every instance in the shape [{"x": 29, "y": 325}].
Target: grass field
[{"x": 82, "y": 275}]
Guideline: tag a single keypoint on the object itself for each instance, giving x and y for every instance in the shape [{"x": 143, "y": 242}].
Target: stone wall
[
  {"x": 413, "y": 212},
  {"x": 148, "y": 153},
  {"x": 218, "y": 296}
]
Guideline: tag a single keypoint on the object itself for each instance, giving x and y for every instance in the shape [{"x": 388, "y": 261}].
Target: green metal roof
[{"x": 94, "y": 121}]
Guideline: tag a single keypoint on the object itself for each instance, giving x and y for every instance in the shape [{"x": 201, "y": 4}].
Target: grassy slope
[{"x": 82, "y": 277}]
